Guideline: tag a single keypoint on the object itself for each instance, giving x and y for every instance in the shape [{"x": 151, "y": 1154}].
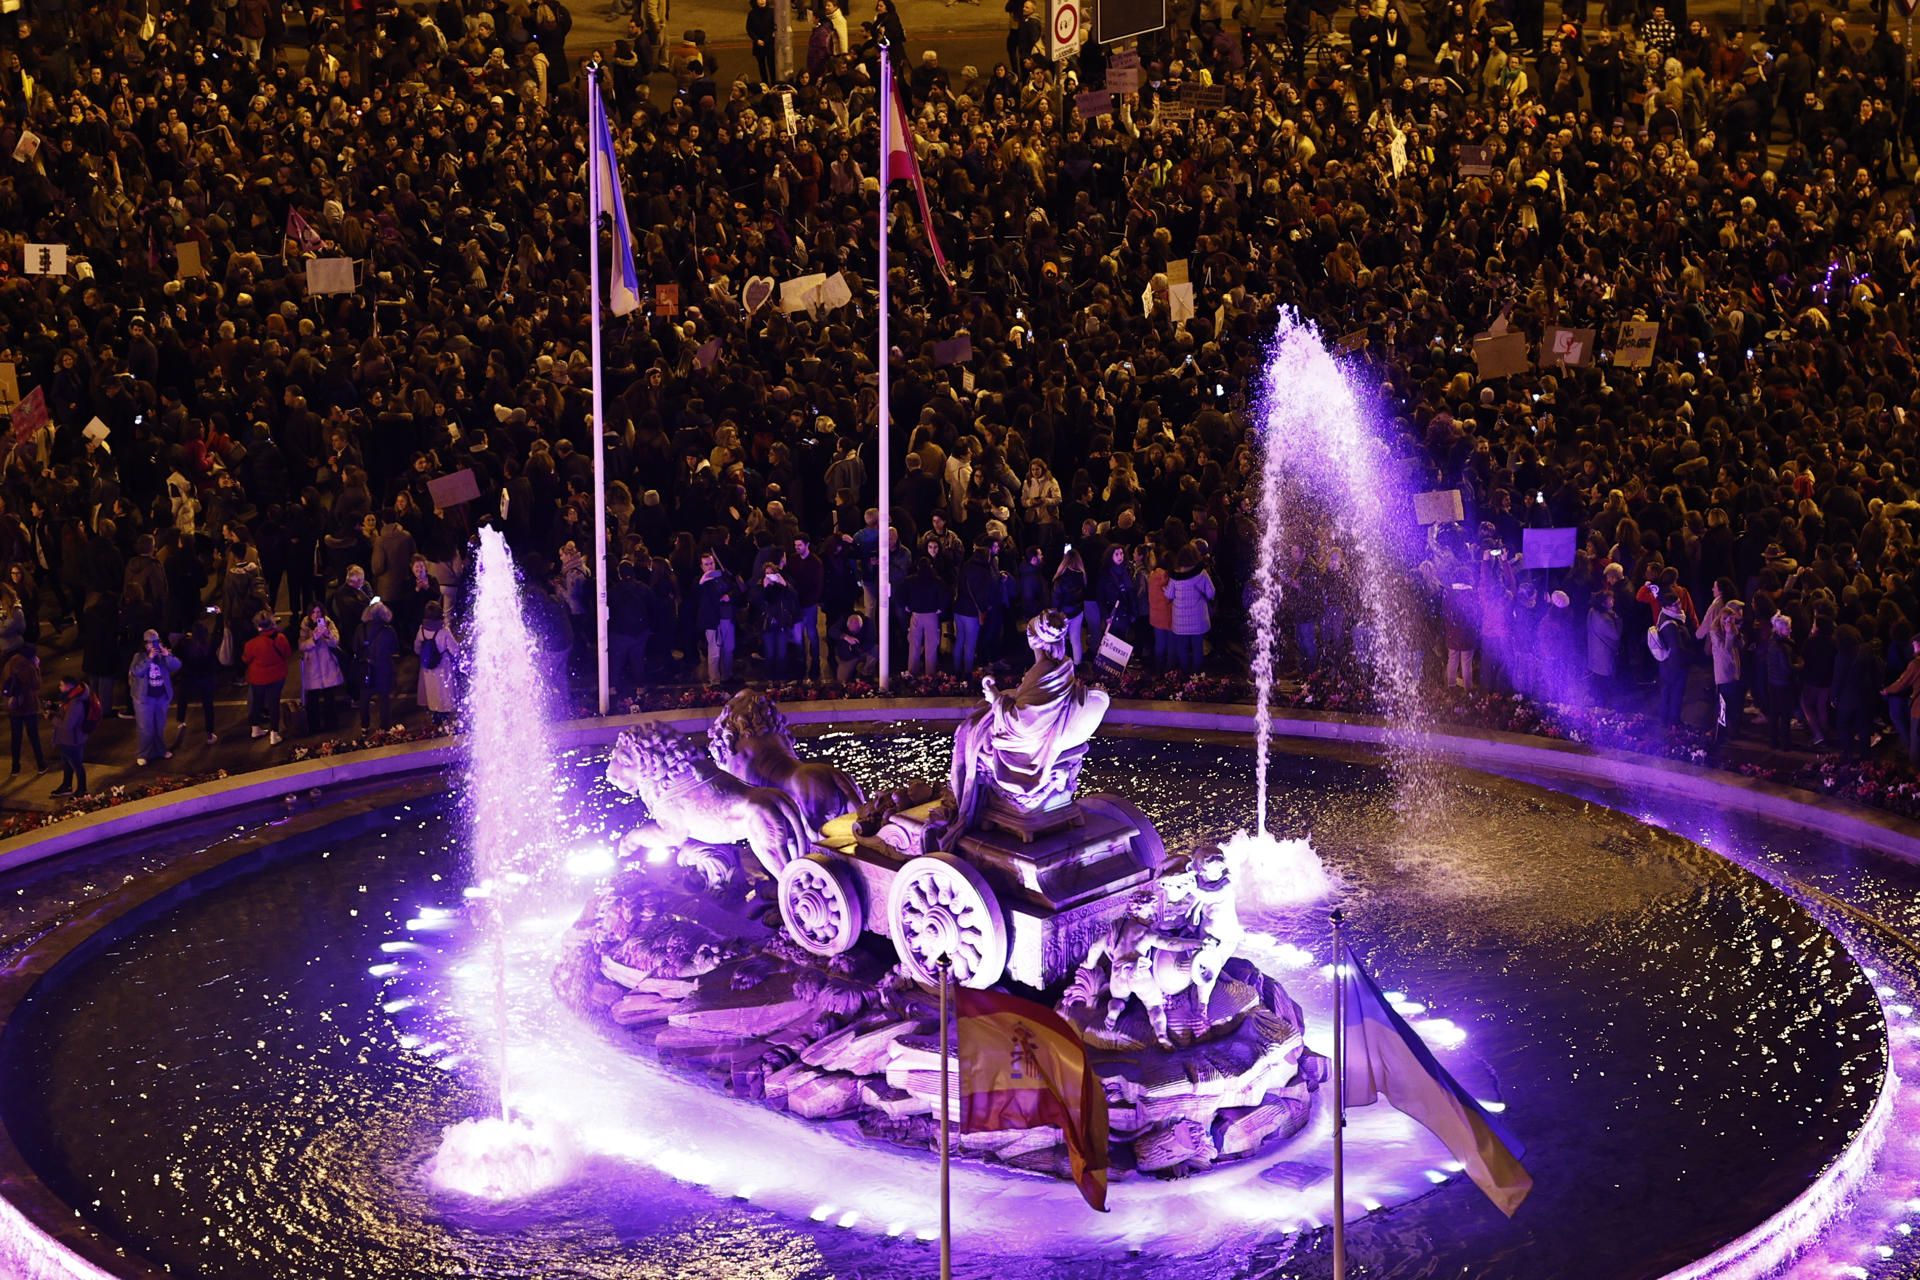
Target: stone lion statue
[
  {"x": 750, "y": 740},
  {"x": 690, "y": 800}
]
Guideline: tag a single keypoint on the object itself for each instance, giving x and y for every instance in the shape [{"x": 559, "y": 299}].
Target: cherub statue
[
  {"x": 1200, "y": 905},
  {"x": 1130, "y": 949}
]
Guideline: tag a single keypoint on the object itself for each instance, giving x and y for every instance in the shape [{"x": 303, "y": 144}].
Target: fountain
[{"x": 510, "y": 821}]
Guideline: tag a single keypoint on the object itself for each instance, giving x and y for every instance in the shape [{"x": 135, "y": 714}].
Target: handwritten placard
[
  {"x": 1637, "y": 338},
  {"x": 1500, "y": 355},
  {"x": 45, "y": 260},
  {"x": 1096, "y": 102},
  {"x": 1440, "y": 506},
  {"x": 329, "y": 275},
  {"x": 1549, "y": 548},
  {"x": 451, "y": 490}
]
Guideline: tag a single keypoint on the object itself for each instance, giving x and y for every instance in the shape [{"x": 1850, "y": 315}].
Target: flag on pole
[
  {"x": 623, "y": 289},
  {"x": 1386, "y": 1056},
  {"x": 1021, "y": 1067},
  {"x": 302, "y": 236},
  {"x": 903, "y": 165}
]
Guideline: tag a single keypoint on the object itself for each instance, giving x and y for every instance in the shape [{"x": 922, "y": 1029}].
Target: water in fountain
[
  {"x": 1328, "y": 488},
  {"x": 511, "y": 835}
]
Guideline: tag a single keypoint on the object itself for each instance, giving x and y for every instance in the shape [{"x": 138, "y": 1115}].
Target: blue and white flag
[
  {"x": 623, "y": 288},
  {"x": 1386, "y": 1056}
]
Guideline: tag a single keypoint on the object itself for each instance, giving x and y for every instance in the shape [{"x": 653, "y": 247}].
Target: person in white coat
[{"x": 437, "y": 648}]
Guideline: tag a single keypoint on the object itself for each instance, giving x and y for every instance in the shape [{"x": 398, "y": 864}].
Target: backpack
[
  {"x": 95, "y": 712},
  {"x": 430, "y": 655},
  {"x": 1657, "y": 645}
]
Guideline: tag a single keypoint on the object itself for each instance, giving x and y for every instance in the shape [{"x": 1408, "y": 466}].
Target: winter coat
[
  {"x": 1070, "y": 593},
  {"x": 267, "y": 658},
  {"x": 714, "y": 599},
  {"x": 1603, "y": 642},
  {"x": 1723, "y": 645},
  {"x": 13, "y": 630},
  {"x": 70, "y": 723},
  {"x": 1776, "y": 657},
  {"x": 152, "y": 677},
  {"x": 375, "y": 650},
  {"x": 391, "y": 572},
  {"x": 1190, "y": 593},
  {"x": 927, "y": 590},
  {"x": 436, "y": 682},
  {"x": 979, "y": 591},
  {"x": 100, "y": 651},
  {"x": 1159, "y": 601},
  {"x": 320, "y": 665},
  {"x": 21, "y": 686}
]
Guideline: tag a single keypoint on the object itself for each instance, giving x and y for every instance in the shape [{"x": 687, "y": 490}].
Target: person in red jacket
[{"x": 266, "y": 657}]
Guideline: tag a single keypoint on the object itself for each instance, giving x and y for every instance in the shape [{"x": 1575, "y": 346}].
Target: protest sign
[
  {"x": 187, "y": 255},
  {"x": 755, "y": 296},
  {"x": 1499, "y": 355},
  {"x": 1548, "y": 548},
  {"x": 25, "y": 149},
  {"x": 9, "y": 386},
  {"x": 1351, "y": 342},
  {"x": 1563, "y": 346},
  {"x": 30, "y": 416},
  {"x": 45, "y": 260},
  {"x": 1180, "y": 301},
  {"x": 1114, "y": 654},
  {"x": 708, "y": 355},
  {"x": 1636, "y": 344},
  {"x": 954, "y": 350},
  {"x": 329, "y": 275},
  {"x": 1440, "y": 506},
  {"x": 1476, "y": 162},
  {"x": 1095, "y": 102},
  {"x": 834, "y": 292},
  {"x": 1123, "y": 79},
  {"x": 452, "y": 490},
  {"x": 802, "y": 293},
  {"x": 96, "y": 430},
  {"x": 1204, "y": 97},
  {"x": 666, "y": 299}
]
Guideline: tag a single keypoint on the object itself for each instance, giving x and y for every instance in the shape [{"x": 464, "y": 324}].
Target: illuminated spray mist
[{"x": 511, "y": 833}]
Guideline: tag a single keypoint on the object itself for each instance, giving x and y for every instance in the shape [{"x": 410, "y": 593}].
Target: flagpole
[
  {"x": 1339, "y": 1100},
  {"x": 945, "y": 964},
  {"x": 594, "y": 106},
  {"x": 884, "y": 569}
]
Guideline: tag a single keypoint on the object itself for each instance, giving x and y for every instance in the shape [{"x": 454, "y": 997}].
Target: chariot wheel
[
  {"x": 939, "y": 906},
  {"x": 820, "y": 904}
]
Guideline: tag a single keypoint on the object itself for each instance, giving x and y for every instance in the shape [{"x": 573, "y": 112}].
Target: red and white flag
[{"x": 903, "y": 165}]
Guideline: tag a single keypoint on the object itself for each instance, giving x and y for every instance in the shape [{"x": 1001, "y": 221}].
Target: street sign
[{"x": 1066, "y": 29}]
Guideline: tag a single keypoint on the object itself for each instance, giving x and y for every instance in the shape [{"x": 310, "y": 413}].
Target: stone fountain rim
[{"x": 51, "y": 1241}]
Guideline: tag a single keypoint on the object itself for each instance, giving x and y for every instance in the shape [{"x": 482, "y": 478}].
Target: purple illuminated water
[{"x": 1327, "y": 485}]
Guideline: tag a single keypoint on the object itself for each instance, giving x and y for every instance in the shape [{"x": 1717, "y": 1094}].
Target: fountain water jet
[
  {"x": 1323, "y": 467},
  {"x": 510, "y": 790}
]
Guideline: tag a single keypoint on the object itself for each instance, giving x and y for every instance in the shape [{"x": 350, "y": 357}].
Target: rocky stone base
[{"x": 709, "y": 985}]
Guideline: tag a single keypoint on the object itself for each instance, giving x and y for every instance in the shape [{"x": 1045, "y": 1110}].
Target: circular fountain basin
[{"x": 252, "y": 1080}]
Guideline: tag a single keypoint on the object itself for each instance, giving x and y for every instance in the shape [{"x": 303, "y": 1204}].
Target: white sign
[
  {"x": 46, "y": 260},
  {"x": 802, "y": 293},
  {"x": 1066, "y": 28},
  {"x": 1114, "y": 654},
  {"x": 329, "y": 275}
]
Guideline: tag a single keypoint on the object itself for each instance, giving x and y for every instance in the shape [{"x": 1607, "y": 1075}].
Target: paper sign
[
  {"x": 1636, "y": 344},
  {"x": 1177, "y": 271},
  {"x": 1500, "y": 355},
  {"x": 1171, "y": 113},
  {"x": 187, "y": 255},
  {"x": 802, "y": 293},
  {"x": 30, "y": 416},
  {"x": 1180, "y": 301},
  {"x": 953, "y": 351},
  {"x": 452, "y": 490},
  {"x": 1113, "y": 655},
  {"x": 25, "y": 149},
  {"x": 1476, "y": 162},
  {"x": 1564, "y": 346},
  {"x": 96, "y": 430},
  {"x": 1548, "y": 548},
  {"x": 46, "y": 260},
  {"x": 1204, "y": 97},
  {"x": 966, "y": 380},
  {"x": 1397, "y": 153},
  {"x": 708, "y": 355},
  {"x": 1352, "y": 342},
  {"x": 1123, "y": 79},
  {"x": 329, "y": 275},
  {"x": 834, "y": 293},
  {"x": 1441, "y": 506},
  {"x": 9, "y": 386},
  {"x": 1095, "y": 102},
  {"x": 1126, "y": 60},
  {"x": 759, "y": 289},
  {"x": 666, "y": 299}
]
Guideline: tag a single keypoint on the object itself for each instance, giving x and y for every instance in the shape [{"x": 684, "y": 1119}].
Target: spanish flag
[
  {"x": 1384, "y": 1057},
  {"x": 1021, "y": 1067}
]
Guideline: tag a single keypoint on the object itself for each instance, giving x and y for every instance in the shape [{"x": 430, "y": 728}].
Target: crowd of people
[{"x": 239, "y": 479}]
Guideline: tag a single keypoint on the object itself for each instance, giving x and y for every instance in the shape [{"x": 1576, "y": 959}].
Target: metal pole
[
  {"x": 596, "y": 110},
  {"x": 884, "y": 569},
  {"x": 1339, "y": 1100},
  {"x": 946, "y": 1225}
]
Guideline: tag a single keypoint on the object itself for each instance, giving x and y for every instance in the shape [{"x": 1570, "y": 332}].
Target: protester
[
  {"x": 77, "y": 715},
  {"x": 438, "y": 650},
  {"x": 323, "y": 668},
  {"x": 20, "y": 685},
  {"x": 267, "y": 659},
  {"x": 375, "y": 652},
  {"x": 150, "y": 681}
]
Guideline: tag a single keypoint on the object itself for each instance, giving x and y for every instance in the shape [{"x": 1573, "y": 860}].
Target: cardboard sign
[
  {"x": 329, "y": 275},
  {"x": 9, "y": 386},
  {"x": 666, "y": 299},
  {"x": 1170, "y": 113},
  {"x": 1549, "y": 548},
  {"x": 30, "y": 416},
  {"x": 953, "y": 351},
  {"x": 1564, "y": 346},
  {"x": 1123, "y": 79},
  {"x": 452, "y": 490},
  {"x": 1097, "y": 102},
  {"x": 187, "y": 255},
  {"x": 28, "y": 146},
  {"x": 1636, "y": 344},
  {"x": 1352, "y": 342},
  {"x": 708, "y": 355},
  {"x": 1476, "y": 162},
  {"x": 802, "y": 293},
  {"x": 759, "y": 289},
  {"x": 1441, "y": 506},
  {"x": 1178, "y": 271},
  {"x": 834, "y": 292},
  {"x": 1204, "y": 97},
  {"x": 1501, "y": 354},
  {"x": 45, "y": 260},
  {"x": 1113, "y": 655}
]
